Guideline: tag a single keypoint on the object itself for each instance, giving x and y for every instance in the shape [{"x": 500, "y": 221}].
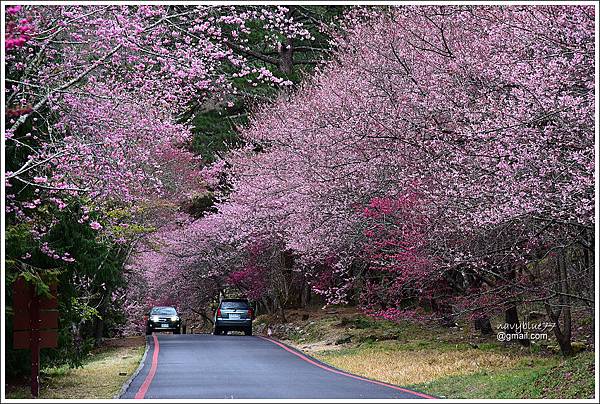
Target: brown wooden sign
[
  {"x": 48, "y": 320},
  {"x": 35, "y": 324},
  {"x": 47, "y": 339}
]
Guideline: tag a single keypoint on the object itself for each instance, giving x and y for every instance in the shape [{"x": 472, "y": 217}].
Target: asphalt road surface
[{"x": 236, "y": 366}]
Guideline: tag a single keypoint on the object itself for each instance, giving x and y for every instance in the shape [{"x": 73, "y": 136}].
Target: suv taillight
[
  {"x": 250, "y": 313},
  {"x": 218, "y": 312}
]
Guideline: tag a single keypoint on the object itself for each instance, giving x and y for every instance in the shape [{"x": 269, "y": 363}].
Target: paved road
[{"x": 236, "y": 366}]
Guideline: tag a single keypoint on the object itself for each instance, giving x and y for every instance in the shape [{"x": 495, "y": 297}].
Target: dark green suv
[{"x": 233, "y": 315}]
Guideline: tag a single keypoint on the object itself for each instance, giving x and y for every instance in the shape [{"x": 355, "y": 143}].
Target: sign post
[
  {"x": 34, "y": 344},
  {"x": 34, "y": 325}
]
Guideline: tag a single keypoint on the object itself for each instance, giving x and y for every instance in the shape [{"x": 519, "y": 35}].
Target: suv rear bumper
[{"x": 234, "y": 324}]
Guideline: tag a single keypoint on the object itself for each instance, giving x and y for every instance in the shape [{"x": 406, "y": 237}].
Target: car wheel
[
  {"x": 248, "y": 331},
  {"x": 216, "y": 331},
  {"x": 148, "y": 331},
  {"x": 177, "y": 331}
]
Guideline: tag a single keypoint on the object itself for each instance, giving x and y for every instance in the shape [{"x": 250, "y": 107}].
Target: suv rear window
[{"x": 234, "y": 305}]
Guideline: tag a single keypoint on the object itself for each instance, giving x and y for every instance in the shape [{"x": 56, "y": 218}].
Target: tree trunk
[
  {"x": 511, "y": 316},
  {"x": 206, "y": 319},
  {"x": 98, "y": 331},
  {"x": 565, "y": 345},
  {"x": 563, "y": 336},
  {"x": 279, "y": 308},
  {"x": 286, "y": 56},
  {"x": 266, "y": 305},
  {"x": 483, "y": 325},
  {"x": 306, "y": 292},
  {"x": 99, "y": 321}
]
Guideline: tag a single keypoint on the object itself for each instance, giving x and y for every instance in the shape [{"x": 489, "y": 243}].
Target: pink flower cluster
[{"x": 17, "y": 31}]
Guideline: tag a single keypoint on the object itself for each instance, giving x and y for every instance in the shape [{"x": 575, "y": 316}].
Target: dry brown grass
[
  {"x": 412, "y": 367},
  {"x": 101, "y": 377}
]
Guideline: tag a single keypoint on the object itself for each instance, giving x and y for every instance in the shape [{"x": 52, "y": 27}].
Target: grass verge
[
  {"x": 445, "y": 362},
  {"x": 554, "y": 378},
  {"x": 394, "y": 364},
  {"x": 101, "y": 377}
]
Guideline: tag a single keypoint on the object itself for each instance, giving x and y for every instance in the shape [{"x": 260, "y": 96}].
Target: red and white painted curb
[{"x": 144, "y": 387}]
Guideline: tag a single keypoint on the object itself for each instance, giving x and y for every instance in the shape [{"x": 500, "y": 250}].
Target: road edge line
[
  {"x": 329, "y": 368},
  {"x": 144, "y": 387},
  {"x": 126, "y": 385}
]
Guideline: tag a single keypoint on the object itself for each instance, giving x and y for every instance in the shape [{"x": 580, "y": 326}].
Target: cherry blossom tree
[
  {"x": 98, "y": 134},
  {"x": 486, "y": 113},
  {"x": 99, "y": 94}
]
